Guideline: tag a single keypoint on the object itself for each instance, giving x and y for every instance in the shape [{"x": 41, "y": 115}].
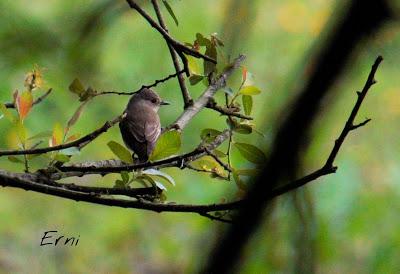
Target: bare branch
[
  {"x": 350, "y": 121},
  {"x": 79, "y": 143},
  {"x": 228, "y": 111},
  {"x": 9, "y": 179},
  {"x": 179, "y": 47},
  {"x": 156, "y": 82},
  {"x": 37, "y": 101},
  {"x": 207, "y": 95},
  {"x": 185, "y": 93},
  {"x": 176, "y": 161},
  {"x": 41, "y": 182}
]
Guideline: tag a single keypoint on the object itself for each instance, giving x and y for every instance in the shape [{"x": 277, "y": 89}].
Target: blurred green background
[{"x": 343, "y": 223}]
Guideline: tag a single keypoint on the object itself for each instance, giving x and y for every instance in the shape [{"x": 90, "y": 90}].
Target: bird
[{"x": 140, "y": 128}]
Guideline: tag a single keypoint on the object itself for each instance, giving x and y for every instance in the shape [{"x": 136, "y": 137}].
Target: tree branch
[
  {"x": 79, "y": 143},
  {"x": 185, "y": 93},
  {"x": 207, "y": 95},
  {"x": 349, "y": 126},
  {"x": 37, "y": 101},
  {"x": 156, "y": 82},
  {"x": 179, "y": 47},
  {"x": 228, "y": 111},
  {"x": 42, "y": 182},
  {"x": 176, "y": 161}
]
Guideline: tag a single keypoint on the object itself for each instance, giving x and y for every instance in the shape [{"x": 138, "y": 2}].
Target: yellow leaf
[
  {"x": 34, "y": 79},
  {"x": 58, "y": 133}
]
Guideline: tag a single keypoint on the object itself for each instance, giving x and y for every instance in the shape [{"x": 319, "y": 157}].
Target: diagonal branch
[
  {"x": 79, "y": 143},
  {"x": 207, "y": 95},
  {"x": 185, "y": 93},
  {"x": 178, "y": 46},
  {"x": 350, "y": 122}
]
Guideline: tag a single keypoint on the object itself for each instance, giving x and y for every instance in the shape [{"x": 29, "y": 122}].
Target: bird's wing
[
  {"x": 137, "y": 130},
  {"x": 152, "y": 131}
]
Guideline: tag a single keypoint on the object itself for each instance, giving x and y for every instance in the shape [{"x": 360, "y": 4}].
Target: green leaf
[
  {"x": 125, "y": 176},
  {"x": 208, "y": 163},
  {"x": 248, "y": 172},
  {"x": 61, "y": 158},
  {"x": 167, "y": 144},
  {"x": 119, "y": 184},
  {"x": 120, "y": 151},
  {"x": 21, "y": 131},
  {"x": 239, "y": 182},
  {"x": 155, "y": 172},
  {"x": 201, "y": 40},
  {"x": 243, "y": 128},
  {"x": 247, "y": 101},
  {"x": 171, "y": 12},
  {"x": 160, "y": 185},
  {"x": 211, "y": 51},
  {"x": 153, "y": 182},
  {"x": 41, "y": 135},
  {"x": 141, "y": 181},
  {"x": 219, "y": 153},
  {"x": 193, "y": 64},
  {"x": 15, "y": 159},
  {"x": 76, "y": 87},
  {"x": 250, "y": 90},
  {"x": 70, "y": 151},
  {"x": 209, "y": 134},
  {"x": 194, "y": 79},
  {"x": 7, "y": 113},
  {"x": 251, "y": 153}
]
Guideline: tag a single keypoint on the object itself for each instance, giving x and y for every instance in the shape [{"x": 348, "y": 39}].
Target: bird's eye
[{"x": 154, "y": 101}]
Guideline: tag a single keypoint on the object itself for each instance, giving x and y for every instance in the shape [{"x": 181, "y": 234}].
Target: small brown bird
[{"x": 141, "y": 127}]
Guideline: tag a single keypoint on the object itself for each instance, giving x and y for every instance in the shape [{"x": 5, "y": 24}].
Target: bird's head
[{"x": 148, "y": 97}]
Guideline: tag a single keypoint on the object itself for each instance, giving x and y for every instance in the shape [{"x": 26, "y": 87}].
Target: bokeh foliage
[{"x": 347, "y": 220}]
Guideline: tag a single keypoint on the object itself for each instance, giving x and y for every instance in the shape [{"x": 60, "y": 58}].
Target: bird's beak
[{"x": 164, "y": 103}]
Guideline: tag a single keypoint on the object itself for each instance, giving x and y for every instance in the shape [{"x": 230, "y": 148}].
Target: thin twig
[
  {"x": 156, "y": 82},
  {"x": 349, "y": 126},
  {"x": 185, "y": 93},
  {"x": 79, "y": 143},
  {"x": 37, "y": 101},
  {"x": 215, "y": 218},
  {"x": 224, "y": 165},
  {"x": 228, "y": 111},
  {"x": 179, "y": 47}
]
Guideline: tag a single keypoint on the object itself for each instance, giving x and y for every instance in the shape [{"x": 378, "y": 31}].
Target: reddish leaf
[
  {"x": 24, "y": 104},
  {"x": 244, "y": 73},
  {"x": 72, "y": 138}
]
